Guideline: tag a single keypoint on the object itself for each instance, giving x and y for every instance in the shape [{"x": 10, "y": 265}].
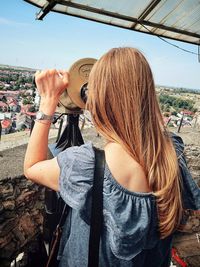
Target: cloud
[{"x": 4, "y": 21}]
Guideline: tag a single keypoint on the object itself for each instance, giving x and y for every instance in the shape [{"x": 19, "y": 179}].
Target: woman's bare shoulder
[{"x": 125, "y": 169}]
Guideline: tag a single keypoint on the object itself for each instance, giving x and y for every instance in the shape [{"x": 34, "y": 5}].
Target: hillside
[{"x": 3, "y": 66}]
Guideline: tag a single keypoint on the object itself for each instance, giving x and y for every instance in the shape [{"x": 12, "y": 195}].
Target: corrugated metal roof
[{"x": 174, "y": 19}]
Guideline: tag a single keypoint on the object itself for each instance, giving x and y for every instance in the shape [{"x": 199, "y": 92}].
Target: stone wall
[
  {"x": 22, "y": 207},
  {"x": 21, "y": 216},
  {"x": 192, "y": 154},
  {"x": 21, "y": 204},
  {"x": 187, "y": 245}
]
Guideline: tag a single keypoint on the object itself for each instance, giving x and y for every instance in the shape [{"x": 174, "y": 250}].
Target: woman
[{"x": 143, "y": 202}]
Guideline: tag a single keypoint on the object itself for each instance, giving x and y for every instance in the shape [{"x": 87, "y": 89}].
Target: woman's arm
[{"x": 50, "y": 84}]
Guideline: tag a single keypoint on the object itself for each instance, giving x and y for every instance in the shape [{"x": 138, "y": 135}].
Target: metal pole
[
  {"x": 181, "y": 121},
  {"x": 59, "y": 130}
]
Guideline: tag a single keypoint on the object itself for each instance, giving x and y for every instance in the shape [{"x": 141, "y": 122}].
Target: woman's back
[{"x": 130, "y": 235}]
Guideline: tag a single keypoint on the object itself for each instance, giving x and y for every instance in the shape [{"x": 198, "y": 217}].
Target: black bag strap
[
  {"x": 97, "y": 209},
  {"x": 96, "y": 216}
]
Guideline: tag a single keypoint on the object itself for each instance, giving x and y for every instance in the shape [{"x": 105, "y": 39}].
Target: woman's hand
[{"x": 51, "y": 84}]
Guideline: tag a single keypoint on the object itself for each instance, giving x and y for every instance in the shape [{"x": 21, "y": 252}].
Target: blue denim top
[{"x": 130, "y": 235}]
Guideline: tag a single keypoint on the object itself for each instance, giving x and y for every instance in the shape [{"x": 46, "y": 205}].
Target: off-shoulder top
[{"x": 130, "y": 235}]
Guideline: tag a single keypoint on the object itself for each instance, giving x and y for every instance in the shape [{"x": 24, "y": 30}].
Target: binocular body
[{"x": 74, "y": 97}]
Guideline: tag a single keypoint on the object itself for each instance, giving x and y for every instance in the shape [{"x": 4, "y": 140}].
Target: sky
[{"x": 59, "y": 40}]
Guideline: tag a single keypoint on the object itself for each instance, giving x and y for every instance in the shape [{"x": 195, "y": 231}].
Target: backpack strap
[{"x": 97, "y": 209}]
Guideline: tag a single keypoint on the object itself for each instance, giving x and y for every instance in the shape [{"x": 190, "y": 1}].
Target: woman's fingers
[
  {"x": 52, "y": 81},
  {"x": 65, "y": 76},
  {"x": 37, "y": 72},
  {"x": 39, "y": 76}
]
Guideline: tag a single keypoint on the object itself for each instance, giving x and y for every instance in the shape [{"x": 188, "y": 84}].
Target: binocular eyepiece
[{"x": 84, "y": 92}]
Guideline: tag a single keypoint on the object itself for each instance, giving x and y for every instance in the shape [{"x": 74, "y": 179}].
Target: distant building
[
  {"x": 37, "y": 99},
  {"x": 2, "y": 116},
  {"x": 9, "y": 93},
  {"x": 188, "y": 112},
  {"x": 25, "y": 120},
  {"x": 3, "y": 106},
  {"x": 6, "y": 125}
]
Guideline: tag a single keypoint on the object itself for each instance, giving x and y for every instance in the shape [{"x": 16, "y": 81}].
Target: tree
[
  {"x": 174, "y": 113},
  {"x": 27, "y": 101},
  {"x": 175, "y": 102},
  {"x": 32, "y": 109}
]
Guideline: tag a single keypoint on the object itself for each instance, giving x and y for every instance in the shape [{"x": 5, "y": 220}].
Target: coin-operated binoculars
[{"x": 71, "y": 103}]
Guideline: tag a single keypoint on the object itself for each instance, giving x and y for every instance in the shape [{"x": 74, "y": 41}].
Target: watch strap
[{"x": 42, "y": 116}]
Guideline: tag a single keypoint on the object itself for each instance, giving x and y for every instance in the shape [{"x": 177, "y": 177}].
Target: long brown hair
[{"x": 124, "y": 107}]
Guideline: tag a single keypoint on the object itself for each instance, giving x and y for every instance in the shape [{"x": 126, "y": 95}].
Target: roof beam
[
  {"x": 147, "y": 11},
  {"x": 46, "y": 9}
]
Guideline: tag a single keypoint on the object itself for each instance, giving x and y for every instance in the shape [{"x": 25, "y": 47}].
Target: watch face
[{"x": 39, "y": 115}]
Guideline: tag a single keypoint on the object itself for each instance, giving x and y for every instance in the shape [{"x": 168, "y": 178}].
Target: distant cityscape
[{"x": 19, "y": 101}]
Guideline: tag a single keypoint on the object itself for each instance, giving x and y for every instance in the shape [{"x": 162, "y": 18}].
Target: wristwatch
[{"x": 41, "y": 116}]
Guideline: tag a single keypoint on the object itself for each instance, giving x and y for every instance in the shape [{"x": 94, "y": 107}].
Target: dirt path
[{"x": 190, "y": 136}]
